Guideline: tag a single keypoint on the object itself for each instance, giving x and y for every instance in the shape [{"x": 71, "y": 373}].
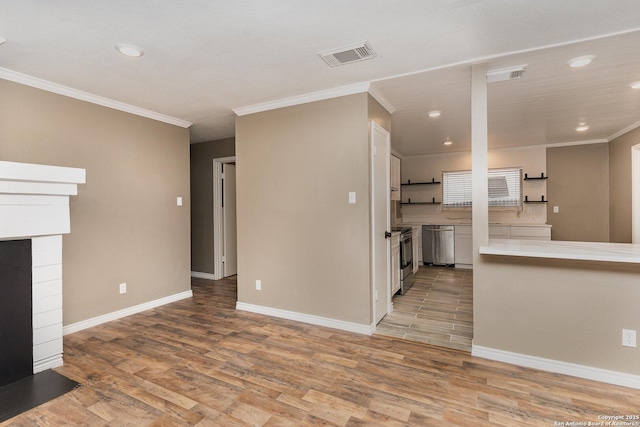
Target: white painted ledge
[
  {"x": 585, "y": 251},
  {"x": 13, "y": 171}
]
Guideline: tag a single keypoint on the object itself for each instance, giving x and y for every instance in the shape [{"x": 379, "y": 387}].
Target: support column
[{"x": 479, "y": 162}]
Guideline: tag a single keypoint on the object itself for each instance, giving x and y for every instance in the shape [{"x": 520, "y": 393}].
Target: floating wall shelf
[
  {"x": 432, "y": 202},
  {"x": 542, "y": 200},
  {"x": 528, "y": 178},
  {"x": 433, "y": 181}
]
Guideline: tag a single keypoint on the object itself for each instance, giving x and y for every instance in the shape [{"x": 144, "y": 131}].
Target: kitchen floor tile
[{"x": 438, "y": 309}]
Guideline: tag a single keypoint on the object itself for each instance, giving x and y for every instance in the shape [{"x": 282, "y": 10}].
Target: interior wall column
[{"x": 479, "y": 159}]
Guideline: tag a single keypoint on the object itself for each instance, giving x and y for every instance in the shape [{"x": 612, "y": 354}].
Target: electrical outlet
[
  {"x": 628, "y": 338},
  {"x": 258, "y": 285},
  {"x": 123, "y": 288}
]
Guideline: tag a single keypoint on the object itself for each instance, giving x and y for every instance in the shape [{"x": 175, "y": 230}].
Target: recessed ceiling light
[
  {"x": 581, "y": 61},
  {"x": 129, "y": 50},
  {"x": 582, "y": 127},
  {"x": 635, "y": 85},
  {"x": 447, "y": 142},
  {"x": 435, "y": 113}
]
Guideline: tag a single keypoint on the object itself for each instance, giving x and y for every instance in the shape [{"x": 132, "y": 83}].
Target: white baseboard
[
  {"x": 580, "y": 371},
  {"x": 200, "y": 275},
  {"x": 95, "y": 321},
  {"x": 308, "y": 318},
  {"x": 48, "y": 363}
]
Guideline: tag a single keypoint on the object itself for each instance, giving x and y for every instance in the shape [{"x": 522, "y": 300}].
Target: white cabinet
[
  {"x": 464, "y": 238},
  {"x": 463, "y": 246},
  {"x": 416, "y": 247},
  {"x": 498, "y": 231},
  {"x": 395, "y": 178},
  {"x": 395, "y": 262},
  {"x": 530, "y": 233}
]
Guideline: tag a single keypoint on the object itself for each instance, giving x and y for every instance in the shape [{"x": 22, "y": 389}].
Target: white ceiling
[{"x": 204, "y": 58}]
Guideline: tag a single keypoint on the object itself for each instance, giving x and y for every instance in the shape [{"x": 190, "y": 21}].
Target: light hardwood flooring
[
  {"x": 200, "y": 362},
  {"x": 437, "y": 309}
]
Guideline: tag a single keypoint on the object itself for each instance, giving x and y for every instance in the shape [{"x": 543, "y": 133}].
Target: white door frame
[
  {"x": 379, "y": 234},
  {"x": 218, "y": 225},
  {"x": 635, "y": 194}
]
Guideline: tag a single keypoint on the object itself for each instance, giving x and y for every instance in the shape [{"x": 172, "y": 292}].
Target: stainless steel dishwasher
[{"x": 438, "y": 245}]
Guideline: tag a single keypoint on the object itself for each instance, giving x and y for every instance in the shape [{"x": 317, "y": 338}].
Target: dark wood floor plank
[{"x": 199, "y": 362}]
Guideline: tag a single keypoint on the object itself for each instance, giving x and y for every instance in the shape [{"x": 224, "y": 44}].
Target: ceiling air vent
[
  {"x": 505, "y": 74},
  {"x": 348, "y": 54}
]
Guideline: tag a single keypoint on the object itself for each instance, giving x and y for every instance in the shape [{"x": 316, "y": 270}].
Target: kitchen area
[{"x": 431, "y": 241}]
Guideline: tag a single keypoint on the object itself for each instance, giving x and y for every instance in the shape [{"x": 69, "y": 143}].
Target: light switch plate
[
  {"x": 352, "y": 197},
  {"x": 556, "y": 209},
  {"x": 179, "y": 201}
]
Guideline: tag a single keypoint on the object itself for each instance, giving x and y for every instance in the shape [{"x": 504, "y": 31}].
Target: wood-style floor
[
  {"x": 200, "y": 362},
  {"x": 437, "y": 309}
]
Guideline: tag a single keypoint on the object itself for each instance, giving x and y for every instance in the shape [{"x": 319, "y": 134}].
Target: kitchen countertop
[
  {"x": 505, "y": 224},
  {"x": 588, "y": 251}
]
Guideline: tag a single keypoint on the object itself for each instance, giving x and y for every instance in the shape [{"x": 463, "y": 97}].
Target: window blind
[{"x": 505, "y": 188}]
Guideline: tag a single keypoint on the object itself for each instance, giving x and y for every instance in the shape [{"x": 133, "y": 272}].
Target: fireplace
[
  {"x": 16, "y": 330},
  {"x": 34, "y": 207}
]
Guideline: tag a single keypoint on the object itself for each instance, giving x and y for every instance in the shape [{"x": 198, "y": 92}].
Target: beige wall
[
  {"x": 426, "y": 168},
  {"x": 297, "y": 233},
  {"x": 569, "y": 311},
  {"x": 125, "y": 225},
  {"x": 202, "y": 155},
  {"x": 620, "y": 186},
  {"x": 579, "y": 185}
]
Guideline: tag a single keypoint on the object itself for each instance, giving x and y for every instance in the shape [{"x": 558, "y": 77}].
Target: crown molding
[
  {"x": 623, "y": 131},
  {"x": 377, "y": 95},
  {"x": 48, "y": 86},
  {"x": 304, "y": 99}
]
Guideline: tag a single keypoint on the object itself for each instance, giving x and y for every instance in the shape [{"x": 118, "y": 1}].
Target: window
[{"x": 505, "y": 188}]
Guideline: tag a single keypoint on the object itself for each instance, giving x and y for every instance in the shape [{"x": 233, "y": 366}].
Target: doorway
[{"x": 224, "y": 218}]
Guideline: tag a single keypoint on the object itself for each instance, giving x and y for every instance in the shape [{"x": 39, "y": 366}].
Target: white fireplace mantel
[{"x": 34, "y": 204}]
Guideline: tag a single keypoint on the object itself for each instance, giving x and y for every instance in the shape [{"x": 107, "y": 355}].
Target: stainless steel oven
[{"x": 406, "y": 259}]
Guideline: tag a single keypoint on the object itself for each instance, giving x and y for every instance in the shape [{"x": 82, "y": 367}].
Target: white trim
[
  {"x": 304, "y": 99},
  {"x": 200, "y": 275},
  {"x": 307, "y": 318},
  {"x": 378, "y": 96},
  {"x": 38, "y": 83},
  {"x": 109, "y": 317},
  {"x": 218, "y": 224},
  {"x": 48, "y": 363},
  {"x": 623, "y": 131},
  {"x": 580, "y": 371}
]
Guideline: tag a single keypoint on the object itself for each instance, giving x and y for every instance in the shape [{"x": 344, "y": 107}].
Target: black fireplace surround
[{"x": 16, "y": 329}]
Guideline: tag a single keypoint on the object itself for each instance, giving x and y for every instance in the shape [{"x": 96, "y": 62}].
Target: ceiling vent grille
[
  {"x": 348, "y": 54},
  {"x": 505, "y": 74}
]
